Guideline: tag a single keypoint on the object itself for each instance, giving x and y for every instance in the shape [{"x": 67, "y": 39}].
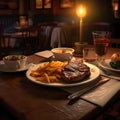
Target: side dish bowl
[
  {"x": 63, "y": 53},
  {"x": 15, "y": 61}
]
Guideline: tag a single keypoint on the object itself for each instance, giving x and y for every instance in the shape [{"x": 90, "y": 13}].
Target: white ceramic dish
[
  {"x": 95, "y": 72},
  {"x": 4, "y": 68},
  {"x": 15, "y": 61},
  {"x": 107, "y": 66},
  {"x": 62, "y": 53}
]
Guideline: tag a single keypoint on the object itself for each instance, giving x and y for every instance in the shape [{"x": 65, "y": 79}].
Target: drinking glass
[
  {"x": 101, "y": 43},
  {"x": 89, "y": 54}
]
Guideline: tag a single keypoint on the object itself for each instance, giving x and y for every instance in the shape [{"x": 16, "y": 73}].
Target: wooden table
[{"x": 29, "y": 101}]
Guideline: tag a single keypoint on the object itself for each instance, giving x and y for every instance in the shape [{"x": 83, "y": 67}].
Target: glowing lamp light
[
  {"x": 116, "y": 7},
  {"x": 81, "y": 11}
]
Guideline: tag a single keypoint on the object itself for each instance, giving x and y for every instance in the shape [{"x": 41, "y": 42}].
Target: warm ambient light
[
  {"x": 81, "y": 11},
  {"x": 23, "y": 21}
]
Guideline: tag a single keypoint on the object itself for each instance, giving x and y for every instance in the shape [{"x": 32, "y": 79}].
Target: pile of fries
[{"x": 49, "y": 72}]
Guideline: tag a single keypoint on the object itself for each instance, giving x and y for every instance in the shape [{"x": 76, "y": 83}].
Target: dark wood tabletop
[{"x": 26, "y": 100}]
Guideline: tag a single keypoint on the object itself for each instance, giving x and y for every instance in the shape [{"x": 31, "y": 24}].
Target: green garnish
[{"x": 115, "y": 65}]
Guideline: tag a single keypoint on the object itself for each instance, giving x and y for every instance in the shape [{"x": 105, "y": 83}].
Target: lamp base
[{"x": 79, "y": 48}]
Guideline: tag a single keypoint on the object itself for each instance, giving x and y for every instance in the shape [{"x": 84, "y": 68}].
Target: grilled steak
[{"x": 75, "y": 71}]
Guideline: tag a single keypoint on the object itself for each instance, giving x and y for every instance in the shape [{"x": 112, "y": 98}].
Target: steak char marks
[{"x": 75, "y": 71}]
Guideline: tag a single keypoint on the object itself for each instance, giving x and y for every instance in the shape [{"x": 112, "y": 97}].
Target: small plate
[
  {"x": 95, "y": 72},
  {"x": 4, "y": 68},
  {"x": 106, "y": 65}
]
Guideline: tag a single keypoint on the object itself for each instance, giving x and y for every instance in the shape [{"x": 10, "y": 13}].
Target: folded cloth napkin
[
  {"x": 100, "y": 95},
  {"x": 45, "y": 54},
  {"x": 103, "y": 94}
]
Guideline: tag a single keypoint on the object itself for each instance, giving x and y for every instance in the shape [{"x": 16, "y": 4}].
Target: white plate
[
  {"x": 106, "y": 65},
  {"x": 4, "y": 68},
  {"x": 95, "y": 72}
]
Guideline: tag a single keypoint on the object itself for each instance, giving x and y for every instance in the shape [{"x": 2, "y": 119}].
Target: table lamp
[{"x": 81, "y": 12}]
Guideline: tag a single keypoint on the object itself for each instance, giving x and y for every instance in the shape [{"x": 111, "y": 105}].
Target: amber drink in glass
[{"x": 101, "y": 46}]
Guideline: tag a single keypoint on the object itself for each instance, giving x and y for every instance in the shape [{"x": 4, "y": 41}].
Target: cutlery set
[{"x": 77, "y": 94}]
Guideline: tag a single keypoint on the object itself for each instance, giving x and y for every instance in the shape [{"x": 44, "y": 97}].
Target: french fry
[
  {"x": 41, "y": 79},
  {"x": 53, "y": 79},
  {"x": 49, "y": 72},
  {"x": 47, "y": 77},
  {"x": 35, "y": 74}
]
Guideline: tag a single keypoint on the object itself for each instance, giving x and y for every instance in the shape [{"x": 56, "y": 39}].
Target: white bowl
[
  {"x": 15, "y": 61},
  {"x": 62, "y": 53}
]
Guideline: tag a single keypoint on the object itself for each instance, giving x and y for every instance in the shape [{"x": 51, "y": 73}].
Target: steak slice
[{"x": 75, "y": 71}]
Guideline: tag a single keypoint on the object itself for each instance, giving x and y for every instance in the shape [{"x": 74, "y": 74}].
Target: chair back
[
  {"x": 3, "y": 43},
  {"x": 5, "y": 46},
  {"x": 32, "y": 38}
]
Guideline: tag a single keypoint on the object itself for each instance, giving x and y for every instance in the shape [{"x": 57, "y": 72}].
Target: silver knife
[{"x": 81, "y": 92}]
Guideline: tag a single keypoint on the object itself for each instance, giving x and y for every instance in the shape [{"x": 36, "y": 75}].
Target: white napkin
[
  {"x": 100, "y": 95},
  {"x": 103, "y": 94},
  {"x": 45, "y": 54}
]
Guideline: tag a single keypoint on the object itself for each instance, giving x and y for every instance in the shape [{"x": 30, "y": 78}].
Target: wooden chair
[
  {"x": 5, "y": 46},
  {"x": 31, "y": 39},
  {"x": 8, "y": 43}
]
